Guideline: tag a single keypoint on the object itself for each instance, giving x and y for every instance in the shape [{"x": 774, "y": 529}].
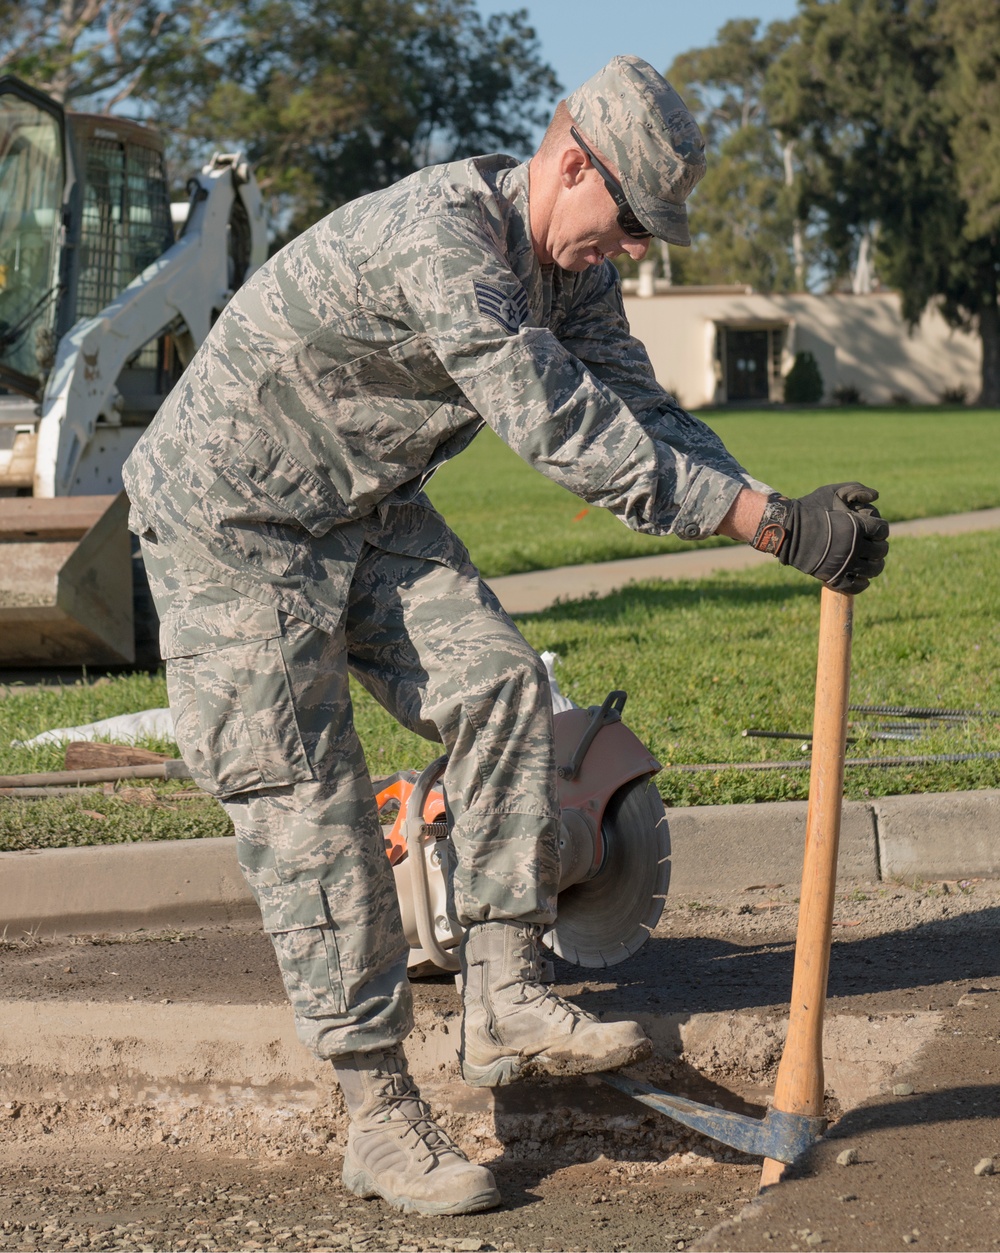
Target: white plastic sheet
[
  {"x": 560, "y": 703},
  {"x": 159, "y": 723},
  {"x": 155, "y": 724}
]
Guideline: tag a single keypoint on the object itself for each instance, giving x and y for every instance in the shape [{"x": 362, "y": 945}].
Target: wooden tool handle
[{"x": 799, "y": 1086}]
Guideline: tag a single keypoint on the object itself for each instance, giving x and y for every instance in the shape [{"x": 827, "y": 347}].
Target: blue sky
[{"x": 577, "y": 37}]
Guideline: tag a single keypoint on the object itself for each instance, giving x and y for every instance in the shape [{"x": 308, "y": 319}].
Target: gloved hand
[{"x": 834, "y": 533}]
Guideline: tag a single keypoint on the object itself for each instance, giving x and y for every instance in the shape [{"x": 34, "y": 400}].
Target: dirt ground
[{"x": 914, "y": 1006}]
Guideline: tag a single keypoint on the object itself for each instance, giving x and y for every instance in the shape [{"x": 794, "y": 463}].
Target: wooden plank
[
  {"x": 87, "y": 755},
  {"x": 66, "y": 517}
]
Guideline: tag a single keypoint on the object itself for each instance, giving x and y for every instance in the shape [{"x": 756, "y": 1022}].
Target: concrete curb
[
  {"x": 951, "y": 835},
  {"x": 123, "y": 886}
]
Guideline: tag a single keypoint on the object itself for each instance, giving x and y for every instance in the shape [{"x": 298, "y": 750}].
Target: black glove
[{"x": 834, "y": 533}]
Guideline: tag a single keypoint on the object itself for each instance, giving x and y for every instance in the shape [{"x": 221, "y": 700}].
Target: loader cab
[
  {"x": 33, "y": 184},
  {"x": 84, "y": 208}
]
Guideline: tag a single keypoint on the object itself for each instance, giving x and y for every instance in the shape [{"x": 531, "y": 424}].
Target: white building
[{"x": 731, "y": 345}]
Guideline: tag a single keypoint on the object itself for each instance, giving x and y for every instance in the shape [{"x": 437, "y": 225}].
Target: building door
[{"x": 747, "y": 353}]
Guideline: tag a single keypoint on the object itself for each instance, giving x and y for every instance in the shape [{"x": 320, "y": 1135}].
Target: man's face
[{"x": 583, "y": 227}]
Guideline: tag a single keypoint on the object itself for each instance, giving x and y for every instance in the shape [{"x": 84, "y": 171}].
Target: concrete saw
[{"x": 614, "y": 846}]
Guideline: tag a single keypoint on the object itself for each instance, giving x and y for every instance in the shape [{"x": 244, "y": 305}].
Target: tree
[
  {"x": 99, "y": 51},
  {"x": 334, "y": 98},
  {"x": 972, "y": 83},
  {"x": 897, "y": 102},
  {"x": 743, "y": 221},
  {"x": 328, "y": 98}
]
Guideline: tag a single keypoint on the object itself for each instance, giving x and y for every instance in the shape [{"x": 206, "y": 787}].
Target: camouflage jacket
[{"x": 370, "y": 350}]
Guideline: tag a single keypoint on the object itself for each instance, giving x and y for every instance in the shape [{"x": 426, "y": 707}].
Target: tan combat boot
[
  {"x": 394, "y": 1148},
  {"x": 513, "y": 1025}
]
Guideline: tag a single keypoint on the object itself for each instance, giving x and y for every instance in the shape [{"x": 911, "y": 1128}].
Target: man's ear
[{"x": 572, "y": 165}]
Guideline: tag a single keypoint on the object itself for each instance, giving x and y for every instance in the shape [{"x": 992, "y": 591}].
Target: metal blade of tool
[{"x": 609, "y": 916}]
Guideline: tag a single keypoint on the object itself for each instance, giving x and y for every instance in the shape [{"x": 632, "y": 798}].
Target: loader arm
[
  {"x": 101, "y": 307},
  {"x": 185, "y": 288}
]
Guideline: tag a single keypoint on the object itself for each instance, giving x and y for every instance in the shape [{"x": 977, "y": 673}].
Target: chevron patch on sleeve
[{"x": 509, "y": 310}]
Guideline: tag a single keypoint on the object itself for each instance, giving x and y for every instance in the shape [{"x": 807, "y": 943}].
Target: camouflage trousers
[{"x": 264, "y": 721}]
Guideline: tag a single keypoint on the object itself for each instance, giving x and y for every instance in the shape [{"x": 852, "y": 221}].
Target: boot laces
[
  {"x": 399, "y": 1101},
  {"x": 532, "y": 991}
]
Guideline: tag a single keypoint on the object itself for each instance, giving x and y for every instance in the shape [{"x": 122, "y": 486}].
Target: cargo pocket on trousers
[
  {"x": 297, "y": 919},
  {"x": 232, "y": 701}
]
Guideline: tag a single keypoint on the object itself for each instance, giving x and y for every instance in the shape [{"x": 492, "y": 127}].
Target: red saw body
[{"x": 614, "y": 845}]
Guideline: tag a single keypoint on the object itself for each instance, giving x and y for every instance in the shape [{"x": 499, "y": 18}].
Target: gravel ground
[{"x": 578, "y": 1167}]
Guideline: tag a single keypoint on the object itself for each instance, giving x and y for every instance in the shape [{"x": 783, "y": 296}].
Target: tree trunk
[
  {"x": 861, "y": 280},
  {"x": 989, "y": 334},
  {"x": 798, "y": 247}
]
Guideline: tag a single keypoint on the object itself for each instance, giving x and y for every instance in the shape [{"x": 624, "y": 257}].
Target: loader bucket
[{"x": 65, "y": 581}]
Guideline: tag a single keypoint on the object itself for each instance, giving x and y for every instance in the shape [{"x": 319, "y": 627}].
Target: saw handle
[
  {"x": 414, "y": 829},
  {"x": 799, "y": 1087},
  {"x": 600, "y": 716}
]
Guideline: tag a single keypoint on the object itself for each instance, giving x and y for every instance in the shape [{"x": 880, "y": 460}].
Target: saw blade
[{"x": 605, "y": 919}]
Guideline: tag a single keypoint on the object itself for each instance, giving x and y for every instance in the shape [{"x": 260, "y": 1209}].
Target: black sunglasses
[{"x": 627, "y": 219}]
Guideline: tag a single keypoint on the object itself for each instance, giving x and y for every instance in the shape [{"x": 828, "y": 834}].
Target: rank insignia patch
[{"x": 509, "y": 310}]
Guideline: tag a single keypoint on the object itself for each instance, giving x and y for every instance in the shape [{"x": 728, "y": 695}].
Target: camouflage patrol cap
[{"x": 636, "y": 119}]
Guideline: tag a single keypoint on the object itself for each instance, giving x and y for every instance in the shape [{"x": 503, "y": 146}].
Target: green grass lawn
[
  {"x": 704, "y": 660},
  {"x": 925, "y": 462},
  {"x": 701, "y": 661}
]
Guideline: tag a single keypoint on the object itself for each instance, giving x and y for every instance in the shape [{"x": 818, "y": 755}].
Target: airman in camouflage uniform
[{"x": 279, "y": 499}]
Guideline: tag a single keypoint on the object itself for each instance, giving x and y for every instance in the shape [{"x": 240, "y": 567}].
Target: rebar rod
[
  {"x": 851, "y": 761},
  {"x": 905, "y": 711}
]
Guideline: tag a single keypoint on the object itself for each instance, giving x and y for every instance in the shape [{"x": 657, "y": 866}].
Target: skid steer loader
[{"x": 106, "y": 292}]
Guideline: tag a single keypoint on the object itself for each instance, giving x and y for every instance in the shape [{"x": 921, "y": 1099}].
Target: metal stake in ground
[{"x": 799, "y": 1086}]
